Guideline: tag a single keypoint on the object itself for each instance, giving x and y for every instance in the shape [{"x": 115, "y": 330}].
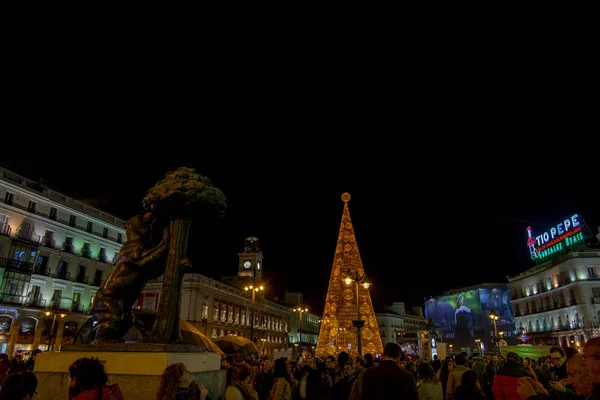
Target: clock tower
[{"x": 251, "y": 260}]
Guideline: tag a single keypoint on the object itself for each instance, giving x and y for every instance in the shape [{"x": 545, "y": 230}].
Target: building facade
[
  {"x": 558, "y": 302},
  {"x": 304, "y": 326},
  {"x": 220, "y": 308},
  {"x": 396, "y": 325},
  {"x": 55, "y": 252}
]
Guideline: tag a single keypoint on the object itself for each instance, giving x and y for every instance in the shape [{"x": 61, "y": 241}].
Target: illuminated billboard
[
  {"x": 463, "y": 316},
  {"x": 565, "y": 235}
]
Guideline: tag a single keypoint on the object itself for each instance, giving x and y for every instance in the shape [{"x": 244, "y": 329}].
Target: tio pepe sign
[{"x": 562, "y": 236}]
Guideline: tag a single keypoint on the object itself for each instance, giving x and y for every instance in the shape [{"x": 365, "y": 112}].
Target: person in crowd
[
  {"x": 591, "y": 363},
  {"x": 428, "y": 383},
  {"x": 490, "y": 373},
  {"x": 341, "y": 388},
  {"x": 176, "y": 384},
  {"x": 505, "y": 381},
  {"x": 469, "y": 388},
  {"x": 5, "y": 366},
  {"x": 558, "y": 358},
  {"x": 283, "y": 383},
  {"x": 436, "y": 363},
  {"x": 227, "y": 363},
  {"x": 31, "y": 362},
  {"x": 447, "y": 366},
  {"x": 359, "y": 368},
  {"x": 325, "y": 381},
  {"x": 264, "y": 379},
  {"x": 369, "y": 362},
  {"x": 88, "y": 381},
  {"x": 388, "y": 380},
  {"x": 240, "y": 386},
  {"x": 19, "y": 386},
  {"x": 454, "y": 376}
]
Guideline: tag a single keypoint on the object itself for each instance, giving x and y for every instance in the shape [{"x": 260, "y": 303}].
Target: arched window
[
  {"x": 69, "y": 331},
  {"x": 5, "y": 324},
  {"x": 27, "y": 330}
]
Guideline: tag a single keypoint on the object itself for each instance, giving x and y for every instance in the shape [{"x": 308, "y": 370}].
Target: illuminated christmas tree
[{"x": 348, "y": 306}]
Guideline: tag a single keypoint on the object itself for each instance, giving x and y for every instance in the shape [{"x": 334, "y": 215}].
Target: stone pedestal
[{"x": 135, "y": 367}]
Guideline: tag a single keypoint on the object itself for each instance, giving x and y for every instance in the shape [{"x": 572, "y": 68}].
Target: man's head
[
  {"x": 576, "y": 375},
  {"x": 460, "y": 359},
  {"x": 591, "y": 357},
  {"x": 392, "y": 352},
  {"x": 34, "y": 353},
  {"x": 557, "y": 356}
]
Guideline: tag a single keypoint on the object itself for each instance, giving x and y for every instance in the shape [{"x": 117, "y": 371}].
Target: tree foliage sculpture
[{"x": 176, "y": 200}]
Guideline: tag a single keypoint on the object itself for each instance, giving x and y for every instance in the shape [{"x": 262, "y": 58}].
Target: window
[
  {"x": 216, "y": 310},
  {"x": 9, "y": 198},
  {"x": 223, "y": 312},
  {"x": 81, "y": 274},
  {"x": 72, "y": 220},
  {"x": 31, "y": 207},
  {"x": 90, "y": 227},
  {"x": 592, "y": 273},
  {"x": 14, "y": 285},
  {"x": 85, "y": 250},
  {"x": 53, "y": 213},
  {"x": 596, "y": 292},
  {"x": 61, "y": 270},
  {"x": 42, "y": 265},
  {"x": 98, "y": 277},
  {"x": 119, "y": 238},
  {"x": 105, "y": 233},
  {"x": 205, "y": 310},
  {"x": 102, "y": 255},
  {"x": 56, "y": 297},
  {"x": 68, "y": 245}
]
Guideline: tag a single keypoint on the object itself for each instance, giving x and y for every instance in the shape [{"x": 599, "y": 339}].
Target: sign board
[{"x": 558, "y": 239}]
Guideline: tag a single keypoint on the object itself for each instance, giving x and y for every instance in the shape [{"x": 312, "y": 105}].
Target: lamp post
[
  {"x": 478, "y": 341},
  {"x": 494, "y": 317},
  {"x": 51, "y": 332},
  {"x": 450, "y": 348},
  {"x": 358, "y": 280},
  {"x": 300, "y": 310},
  {"x": 254, "y": 290}
]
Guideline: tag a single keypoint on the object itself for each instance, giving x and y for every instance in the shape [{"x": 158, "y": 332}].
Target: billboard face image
[{"x": 457, "y": 316}]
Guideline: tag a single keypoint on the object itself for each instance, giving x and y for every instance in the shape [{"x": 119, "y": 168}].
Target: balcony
[
  {"x": 60, "y": 304},
  {"x": 5, "y": 229},
  {"x": 48, "y": 242},
  {"x": 595, "y": 300},
  {"x": 81, "y": 279},
  {"x": 67, "y": 247},
  {"x": 28, "y": 235},
  {"x": 7, "y": 298},
  {"x": 87, "y": 253},
  {"x": 15, "y": 265},
  {"x": 42, "y": 270},
  {"x": 102, "y": 257},
  {"x": 63, "y": 274}
]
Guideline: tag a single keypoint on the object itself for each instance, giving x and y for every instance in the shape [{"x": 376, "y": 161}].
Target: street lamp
[
  {"x": 300, "y": 310},
  {"x": 494, "y": 317},
  {"x": 478, "y": 341},
  {"x": 450, "y": 348},
  {"x": 358, "y": 280},
  {"x": 254, "y": 290},
  {"x": 51, "y": 332}
]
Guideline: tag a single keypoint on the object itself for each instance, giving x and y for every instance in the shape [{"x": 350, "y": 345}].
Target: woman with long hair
[
  {"x": 176, "y": 384},
  {"x": 19, "y": 386},
  {"x": 429, "y": 386},
  {"x": 282, "y": 381},
  {"x": 240, "y": 386},
  {"x": 88, "y": 381},
  {"x": 447, "y": 366},
  {"x": 469, "y": 388}
]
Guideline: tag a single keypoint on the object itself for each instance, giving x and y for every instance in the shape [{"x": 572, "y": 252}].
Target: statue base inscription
[{"x": 136, "y": 371}]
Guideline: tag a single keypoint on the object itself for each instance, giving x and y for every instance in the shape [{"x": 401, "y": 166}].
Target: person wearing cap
[{"x": 505, "y": 381}]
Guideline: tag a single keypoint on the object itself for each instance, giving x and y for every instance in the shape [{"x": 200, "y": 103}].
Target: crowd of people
[{"x": 564, "y": 374}]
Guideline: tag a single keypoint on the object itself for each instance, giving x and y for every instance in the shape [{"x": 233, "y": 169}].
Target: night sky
[{"x": 429, "y": 214}]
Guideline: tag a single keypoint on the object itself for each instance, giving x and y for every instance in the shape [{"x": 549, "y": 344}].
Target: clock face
[
  {"x": 257, "y": 265},
  {"x": 247, "y": 264}
]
